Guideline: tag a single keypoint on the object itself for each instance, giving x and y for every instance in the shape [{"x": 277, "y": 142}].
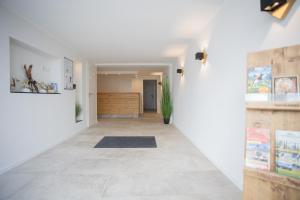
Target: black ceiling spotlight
[
  {"x": 271, "y": 5},
  {"x": 202, "y": 55},
  {"x": 180, "y": 71}
]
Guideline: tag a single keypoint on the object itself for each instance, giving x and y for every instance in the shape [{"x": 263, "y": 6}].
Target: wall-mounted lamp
[
  {"x": 271, "y": 5},
  {"x": 180, "y": 71},
  {"x": 277, "y": 8},
  {"x": 201, "y": 56}
]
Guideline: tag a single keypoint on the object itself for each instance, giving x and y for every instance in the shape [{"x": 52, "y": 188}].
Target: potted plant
[
  {"x": 166, "y": 101},
  {"x": 77, "y": 110}
]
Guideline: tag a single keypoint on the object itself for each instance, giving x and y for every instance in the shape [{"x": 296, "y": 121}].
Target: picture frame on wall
[
  {"x": 286, "y": 85},
  {"x": 68, "y": 74}
]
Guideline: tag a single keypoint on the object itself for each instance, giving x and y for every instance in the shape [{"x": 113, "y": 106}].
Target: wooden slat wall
[
  {"x": 268, "y": 185},
  {"x": 118, "y": 104}
]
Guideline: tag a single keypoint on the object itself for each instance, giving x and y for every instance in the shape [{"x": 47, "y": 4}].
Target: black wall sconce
[
  {"x": 202, "y": 56},
  {"x": 180, "y": 71},
  {"x": 277, "y": 8},
  {"x": 271, "y": 5}
]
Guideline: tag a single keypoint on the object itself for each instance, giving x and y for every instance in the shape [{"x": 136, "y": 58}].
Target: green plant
[
  {"x": 77, "y": 109},
  {"x": 166, "y": 101}
]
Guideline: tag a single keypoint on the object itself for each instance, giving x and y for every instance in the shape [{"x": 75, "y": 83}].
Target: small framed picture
[
  {"x": 286, "y": 85},
  {"x": 68, "y": 74}
]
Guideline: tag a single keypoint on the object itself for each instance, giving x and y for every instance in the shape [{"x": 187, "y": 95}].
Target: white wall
[
  {"x": 209, "y": 100},
  {"x": 91, "y": 97},
  {"x": 79, "y": 76},
  {"x": 29, "y": 123},
  {"x": 137, "y": 86},
  {"x": 114, "y": 83}
]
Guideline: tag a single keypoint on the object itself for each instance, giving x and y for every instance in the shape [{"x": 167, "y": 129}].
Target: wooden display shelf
[
  {"x": 273, "y": 177},
  {"x": 273, "y": 106},
  {"x": 264, "y": 185},
  {"x": 273, "y": 115}
]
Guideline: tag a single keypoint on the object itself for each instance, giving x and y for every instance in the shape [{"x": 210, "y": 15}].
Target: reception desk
[{"x": 116, "y": 105}]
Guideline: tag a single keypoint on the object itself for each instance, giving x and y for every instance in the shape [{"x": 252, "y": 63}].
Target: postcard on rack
[
  {"x": 260, "y": 79},
  {"x": 288, "y": 153},
  {"x": 286, "y": 85},
  {"x": 258, "y": 148}
]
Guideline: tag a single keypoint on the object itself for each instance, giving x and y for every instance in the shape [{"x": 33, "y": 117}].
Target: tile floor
[{"x": 74, "y": 170}]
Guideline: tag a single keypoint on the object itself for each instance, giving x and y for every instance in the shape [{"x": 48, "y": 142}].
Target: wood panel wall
[
  {"x": 268, "y": 185},
  {"x": 118, "y": 104}
]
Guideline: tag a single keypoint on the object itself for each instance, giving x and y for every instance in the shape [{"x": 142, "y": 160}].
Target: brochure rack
[{"x": 275, "y": 112}]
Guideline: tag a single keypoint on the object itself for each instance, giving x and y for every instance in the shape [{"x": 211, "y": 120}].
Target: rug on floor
[{"x": 127, "y": 142}]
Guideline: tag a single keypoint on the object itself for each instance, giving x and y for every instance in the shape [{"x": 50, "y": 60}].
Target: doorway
[{"x": 150, "y": 95}]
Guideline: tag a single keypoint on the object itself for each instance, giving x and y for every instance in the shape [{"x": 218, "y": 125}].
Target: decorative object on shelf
[
  {"x": 277, "y": 8},
  {"x": 68, "y": 74},
  {"x": 18, "y": 86},
  {"x": 54, "y": 87},
  {"x": 48, "y": 88},
  {"x": 15, "y": 84},
  {"x": 258, "y": 148},
  {"x": 77, "y": 110},
  {"x": 271, "y": 5},
  {"x": 166, "y": 101},
  {"x": 25, "y": 87},
  {"x": 43, "y": 87},
  {"x": 288, "y": 153},
  {"x": 180, "y": 71},
  {"x": 202, "y": 56},
  {"x": 32, "y": 84},
  {"x": 285, "y": 85},
  {"x": 260, "y": 80}
]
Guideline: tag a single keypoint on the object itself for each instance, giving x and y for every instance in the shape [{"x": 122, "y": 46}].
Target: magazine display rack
[{"x": 273, "y": 111}]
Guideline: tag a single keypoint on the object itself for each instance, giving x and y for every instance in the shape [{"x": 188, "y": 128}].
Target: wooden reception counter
[{"x": 118, "y": 104}]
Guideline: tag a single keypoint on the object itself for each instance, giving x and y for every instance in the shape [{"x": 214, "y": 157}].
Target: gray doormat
[{"x": 127, "y": 142}]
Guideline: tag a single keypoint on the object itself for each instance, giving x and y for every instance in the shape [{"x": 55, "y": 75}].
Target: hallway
[{"x": 75, "y": 170}]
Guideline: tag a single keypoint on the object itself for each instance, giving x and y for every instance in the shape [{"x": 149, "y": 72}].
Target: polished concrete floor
[{"x": 75, "y": 170}]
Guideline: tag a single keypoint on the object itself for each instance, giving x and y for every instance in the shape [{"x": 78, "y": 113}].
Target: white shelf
[
  {"x": 46, "y": 69},
  {"x": 288, "y": 102}
]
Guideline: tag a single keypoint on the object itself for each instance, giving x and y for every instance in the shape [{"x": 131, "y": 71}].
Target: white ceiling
[{"x": 120, "y": 31}]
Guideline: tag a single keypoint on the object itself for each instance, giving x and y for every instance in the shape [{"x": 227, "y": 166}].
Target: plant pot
[{"x": 166, "y": 121}]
